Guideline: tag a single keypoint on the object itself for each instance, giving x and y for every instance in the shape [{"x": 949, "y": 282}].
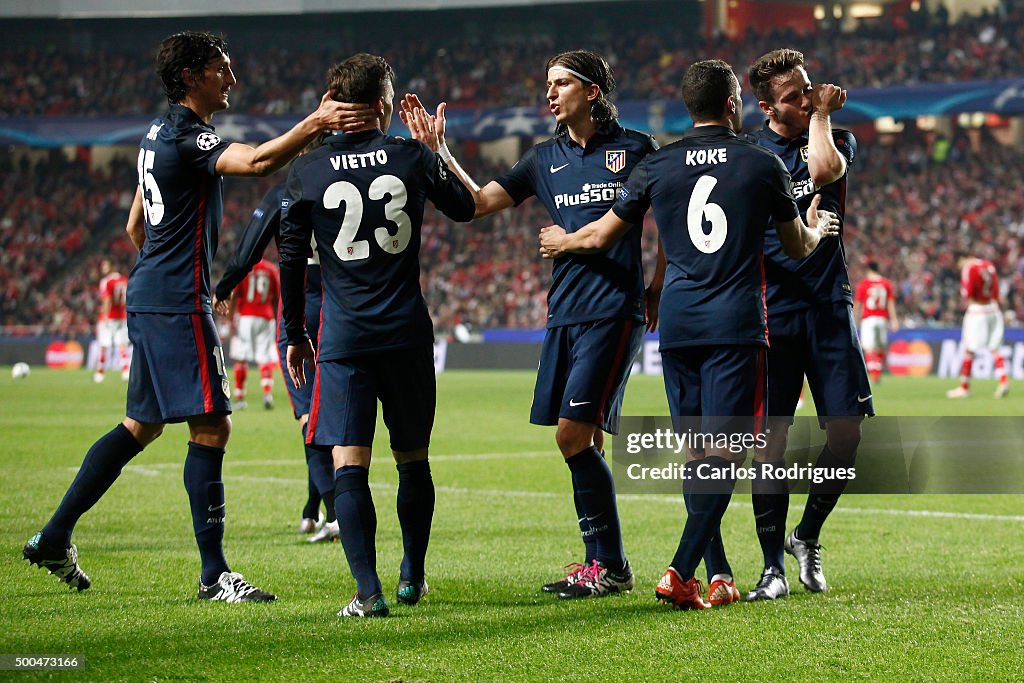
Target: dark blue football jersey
[
  {"x": 820, "y": 278},
  {"x": 578, "y": 185},
  {"x": 183, "y": 201},
  {"x": 361, "y": 195},
  {"x": 263, "y": 226},
  {"x": 713, "y": 195}
]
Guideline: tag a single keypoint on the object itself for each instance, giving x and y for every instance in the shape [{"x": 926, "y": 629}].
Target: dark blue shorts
[
  {"x": 177, "y": 367},
  {"x": 725, "y": 385},
  {"x": 302, "y": 396},
  {"x": 583, "y": 371},
  {"x": 345, "y": 393},
  {"x": 821, "y": 343}
]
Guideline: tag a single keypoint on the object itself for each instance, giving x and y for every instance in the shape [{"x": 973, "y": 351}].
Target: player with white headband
[{"x": 597, "y": 305}]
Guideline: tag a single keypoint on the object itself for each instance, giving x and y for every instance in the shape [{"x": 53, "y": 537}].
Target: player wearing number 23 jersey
[{"x": 361, "y": 196}]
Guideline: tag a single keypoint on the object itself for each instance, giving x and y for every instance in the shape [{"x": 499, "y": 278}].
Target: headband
[{"x": 577, "y": 74}]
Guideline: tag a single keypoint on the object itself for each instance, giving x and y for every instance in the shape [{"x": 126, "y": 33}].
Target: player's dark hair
[
  {"x": 873, "y": 265},
  {"x": 706, "y": 87},
  {"x": 768, "y": 67},
  {"x": 190, "y": 50},
  {"x": 595, "y": 69},
  {"x": 360, "y": 78}
]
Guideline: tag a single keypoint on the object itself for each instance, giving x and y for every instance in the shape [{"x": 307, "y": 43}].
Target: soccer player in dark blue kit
[
  {"x": 810, "y": 315},
  {"x": 597, "y": 305},
  {"x": 177, "y": 371},
  {"x": 713, "y": 194},
  {"x": 263, "y": 227},
  {"x": 361, "y": 196}
]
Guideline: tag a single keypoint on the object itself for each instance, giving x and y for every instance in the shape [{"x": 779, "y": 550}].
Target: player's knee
[
  {"x": 210, "y": 430},
  {"x": 843, "y": 436},
  {"x": 404, "y": 457},
  {"x": 776, "y": 443},
  {"x": 737, "y": 457},
  {"x": 144, "y": 432},
  {"x": 573, "y": 437}
]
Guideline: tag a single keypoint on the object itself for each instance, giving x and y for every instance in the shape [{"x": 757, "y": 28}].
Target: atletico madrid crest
[
  {"x": 615, "y": 160},
  {"x": 804, "y": 153}
]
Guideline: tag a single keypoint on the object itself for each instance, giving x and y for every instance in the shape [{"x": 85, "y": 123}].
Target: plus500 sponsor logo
[{"x": 590, "y": 195}]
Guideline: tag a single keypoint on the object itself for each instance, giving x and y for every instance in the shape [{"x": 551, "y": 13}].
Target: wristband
[{"x": 446, "y": 155}]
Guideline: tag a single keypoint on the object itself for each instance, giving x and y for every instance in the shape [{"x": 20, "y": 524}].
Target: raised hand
[
  {"x": 346, "y": 116},
  {"x": 827, "y": 98},
  {"x": 426, "y": 128}
]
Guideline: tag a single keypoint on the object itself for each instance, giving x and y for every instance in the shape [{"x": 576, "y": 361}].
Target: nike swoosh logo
[
  {"x": 763, "y": 514},
  {"x": 573, "y": 404},
  {"x": 861, "y": 400},
  {"x": 555, "y": 169},
  {"x": 213, "y": 508}
]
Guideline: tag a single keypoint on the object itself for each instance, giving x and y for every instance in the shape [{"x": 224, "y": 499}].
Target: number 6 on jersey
[{"x": 700, "y": 209}]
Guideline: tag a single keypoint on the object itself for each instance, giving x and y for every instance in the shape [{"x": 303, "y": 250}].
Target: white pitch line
[
  {"x": 454, "y": 457},
  {"x": 667, "y": 499},
  {"x": 153, "y": 469}
]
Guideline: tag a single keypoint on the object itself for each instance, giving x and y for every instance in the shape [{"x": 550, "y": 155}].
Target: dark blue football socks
[
  {"x": 415, "y": 503},
  {"x": 357, "y": 522},
  {"x": 206, "y": 498},
  {"x": 592, "y": 482},
  {"x": 101, "y": 467}
]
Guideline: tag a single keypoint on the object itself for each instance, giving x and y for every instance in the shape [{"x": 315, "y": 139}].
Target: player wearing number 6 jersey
[
  {"x": 177, "y": 371},
  {"x": 713, "y": 194},
  {"x": 361, "y": 196},
  {"x": 874, "y": 303}
]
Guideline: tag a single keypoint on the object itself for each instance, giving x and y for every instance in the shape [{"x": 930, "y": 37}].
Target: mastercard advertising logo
[
  {"x": 912, "y": 358},
  {"x": 64, "y": 355}
]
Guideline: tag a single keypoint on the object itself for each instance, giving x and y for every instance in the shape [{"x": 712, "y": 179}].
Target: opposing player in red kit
[
  {"x": 983, "y": 323},
  {"x": 874, "y": 305}
]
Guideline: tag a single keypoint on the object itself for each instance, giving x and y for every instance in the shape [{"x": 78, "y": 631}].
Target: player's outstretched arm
[
  {"x": 824, "y": 162},
  {"x": 800, "y": 239},
  {"x": 136, "y": 227},
  {"x": 600, "y": 235},
  {"x": 429, "y": 129},
  {"x": 242, "y": 160},
  {"x": 261, "y": 228}
]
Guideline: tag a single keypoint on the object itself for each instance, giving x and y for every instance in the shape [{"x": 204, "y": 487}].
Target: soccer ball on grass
[{"x": 20, "y": 370}]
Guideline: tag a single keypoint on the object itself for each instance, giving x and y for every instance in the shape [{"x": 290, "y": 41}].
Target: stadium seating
[
  {"x": 473, "y": 68},
  {"x": 905, "y": 209}
]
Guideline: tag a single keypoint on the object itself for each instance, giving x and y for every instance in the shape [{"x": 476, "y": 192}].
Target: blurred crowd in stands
[
  {"x": 914, "y": 201},
  {"x": 912, "y": 206},
  {"x": 471, "y": 67}
]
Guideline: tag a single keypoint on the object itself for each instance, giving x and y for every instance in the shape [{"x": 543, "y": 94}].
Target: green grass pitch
[{"x": 913, "y": 595}]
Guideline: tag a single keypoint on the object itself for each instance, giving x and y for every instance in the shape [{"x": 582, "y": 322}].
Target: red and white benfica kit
[
  {"x": 983, "y": 321},
  {"x": 874, "y": 294},
  {"x": 112, "y": 327},
  {"x": 256, "y": 299}
]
